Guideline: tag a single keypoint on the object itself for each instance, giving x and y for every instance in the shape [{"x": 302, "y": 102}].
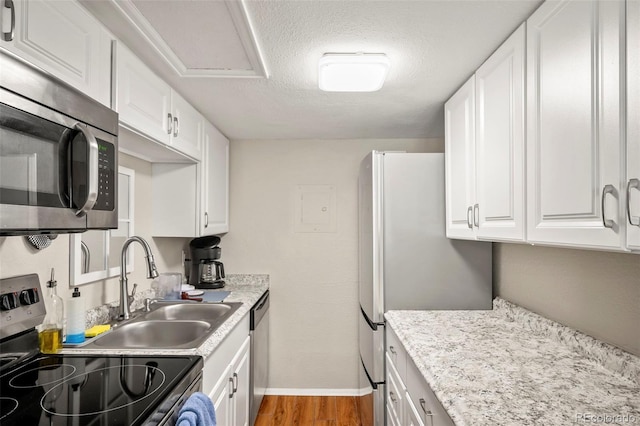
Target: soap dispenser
[{"x": 75, "y": 318}]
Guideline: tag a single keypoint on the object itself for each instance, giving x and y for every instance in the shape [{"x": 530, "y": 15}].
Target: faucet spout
[{"x": 124, "y": 311}]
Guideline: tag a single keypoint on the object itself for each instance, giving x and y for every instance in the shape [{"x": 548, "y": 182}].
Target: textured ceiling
[{"x": 433, "y": 47}]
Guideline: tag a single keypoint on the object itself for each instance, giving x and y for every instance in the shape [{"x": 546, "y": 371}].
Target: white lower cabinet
[
  {"x": 409, "y": 399},
  {"x": 226, "y": 377}
]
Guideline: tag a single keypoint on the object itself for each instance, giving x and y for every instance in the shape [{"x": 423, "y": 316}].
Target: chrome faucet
[{"x": 124, "y": 312}]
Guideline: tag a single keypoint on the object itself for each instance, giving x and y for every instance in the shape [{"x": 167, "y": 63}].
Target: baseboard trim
[{"x": 315, "y": 392}]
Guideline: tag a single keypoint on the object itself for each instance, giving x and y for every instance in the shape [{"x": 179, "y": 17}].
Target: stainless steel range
[{"x": 64, "y": 389}]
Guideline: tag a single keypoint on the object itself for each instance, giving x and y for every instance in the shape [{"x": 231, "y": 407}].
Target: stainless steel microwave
[{"x": 58, "y": 155}]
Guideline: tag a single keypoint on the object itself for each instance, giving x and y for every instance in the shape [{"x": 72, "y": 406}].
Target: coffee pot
[{"x": 206, "y": 271}]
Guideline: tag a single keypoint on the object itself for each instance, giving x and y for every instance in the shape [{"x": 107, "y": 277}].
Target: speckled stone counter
[
  {"x": 244, "y": 288},
  {"x": 510, "y": 367}
]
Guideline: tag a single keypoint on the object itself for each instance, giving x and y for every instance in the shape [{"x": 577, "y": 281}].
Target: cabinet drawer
[
  {"x": 396, "y": 353},
  {"x": 394, "y": 395},
  {"x": 427, "y": 405}
]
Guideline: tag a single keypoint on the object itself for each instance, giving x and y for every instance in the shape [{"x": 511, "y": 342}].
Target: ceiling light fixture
[{"x": 352, "y": 72}]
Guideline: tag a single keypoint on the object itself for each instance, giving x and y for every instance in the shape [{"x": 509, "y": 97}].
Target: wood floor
[{"x": 308, "y": 411}]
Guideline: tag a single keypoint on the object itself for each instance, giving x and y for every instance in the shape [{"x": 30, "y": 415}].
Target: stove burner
[
  {"x": 47, "y": 373},
  {"x": 149, "y": 372},
  {"x": 7, "y": 406}
]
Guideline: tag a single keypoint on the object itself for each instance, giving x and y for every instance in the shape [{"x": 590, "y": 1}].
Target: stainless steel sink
[
  {"x": 179, "y": 325},
  {"x": 188, "y": 311},
  {"x": 155, "y": 334}
]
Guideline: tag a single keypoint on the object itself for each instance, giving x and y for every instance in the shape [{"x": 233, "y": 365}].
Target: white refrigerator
[{"x": 405, "y": 259}]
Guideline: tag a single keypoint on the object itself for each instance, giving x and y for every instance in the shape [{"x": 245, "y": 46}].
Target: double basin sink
[{"x": 176, "y": 325}]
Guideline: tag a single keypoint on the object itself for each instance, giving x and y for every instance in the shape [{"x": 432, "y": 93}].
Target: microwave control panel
[{"x": 106, "y": 176}]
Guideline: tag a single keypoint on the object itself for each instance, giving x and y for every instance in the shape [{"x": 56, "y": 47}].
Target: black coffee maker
[{"x": 206, "y": 271}]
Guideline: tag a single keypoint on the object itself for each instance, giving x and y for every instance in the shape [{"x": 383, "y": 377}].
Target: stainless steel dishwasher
[{"x": 259, "y": 375}]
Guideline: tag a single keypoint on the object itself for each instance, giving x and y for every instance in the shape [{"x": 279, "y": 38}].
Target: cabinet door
[
  {"x": 395, "y": 394},
  {"x": 143, "y": 99},
  {"x": 459, "y": 115},
  {"x": 499, "y": 145},
  {"x": 214, "y": 217},
  {"x": 412, "y": 415},
  {"x": 174, "y": 201},
  {"x": 574, "y": 124},
  {"x": 240, "y": 379},
  {"x": 64, "y": 39},
  {"x": 633, "y": 125},
  {"x": 221, "y": 395},
  {"x": 187, "y": 127}
]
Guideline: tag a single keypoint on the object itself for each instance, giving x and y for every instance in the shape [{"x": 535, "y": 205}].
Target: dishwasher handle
[{"x": 259, "y": 310}]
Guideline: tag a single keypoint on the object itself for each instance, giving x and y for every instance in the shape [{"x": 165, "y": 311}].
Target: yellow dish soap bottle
[{"x": 50, "y": 335}]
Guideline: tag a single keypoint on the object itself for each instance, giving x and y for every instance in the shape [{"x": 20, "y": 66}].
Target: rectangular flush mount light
[{"x": 352, "y": 72}]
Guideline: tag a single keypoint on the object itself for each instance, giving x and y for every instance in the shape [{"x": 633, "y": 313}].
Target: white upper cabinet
[
  {"x": 187, "y": 127},
  {"x": 149, "y": 106},
  {"x": 575, "y": 124},
  {"x": 484, "y": 144},
  {"x": 633, "y": 126},
  {"x": 499, "y": 144},
  {"x": 62, "y": 38},
  {"x": 459, "y": 116},
  {"x": 143, "y": 100},
  {"x": 214, "y": 215}
]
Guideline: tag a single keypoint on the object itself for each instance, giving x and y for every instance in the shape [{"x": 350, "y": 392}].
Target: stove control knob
[
  {"x": 29, "y": 296},
  {"x": 8, "y": 301}
]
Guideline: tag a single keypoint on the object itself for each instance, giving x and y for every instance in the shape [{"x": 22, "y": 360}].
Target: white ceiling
[{"x": 433, "y": 47}]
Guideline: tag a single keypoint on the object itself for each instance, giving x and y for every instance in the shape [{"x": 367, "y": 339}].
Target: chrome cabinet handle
[
  {"x": 169, "y": 123},
  {"x": 469, "y": 223},
  {"x": 608, "y": 189},
  {"x": 632, "y": 184},
  {"x": 176, "y": 127},
  {"x": 476, "y": 215},
  {"x": 206, "y": 219},
  {"x": 235, "y": 382},
  {"x": 8, "y": 35},
  {"x": 392, "y": 396},
  {"x": 423, "y": 404},
  {"x": 392, "y": 350},
  {"x": 92, "y": 169},
  {"x": 231, "y": 391}
]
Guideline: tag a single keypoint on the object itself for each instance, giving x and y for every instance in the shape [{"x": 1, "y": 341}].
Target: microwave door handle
[{"x": 92, "y": 170}]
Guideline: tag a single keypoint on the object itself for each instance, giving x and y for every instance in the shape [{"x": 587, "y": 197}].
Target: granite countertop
[
  {"x": 510, "y": 366},
  {"x": 244, "y": 288}
]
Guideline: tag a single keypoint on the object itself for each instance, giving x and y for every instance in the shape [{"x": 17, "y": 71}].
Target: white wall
[
  {"x": 595, "y": 292},
  {"x": 313, "y": 276},
  {"x": 18, "y": 257}
]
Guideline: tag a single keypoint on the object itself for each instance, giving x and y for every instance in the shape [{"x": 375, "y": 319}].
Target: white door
[
  {"x": 633, "y": 126},
  {"x": 65, "y": 40},
  {"x": 143, "y": 100},
  {"x": 240, "y": 379},
  {"x": 459, "y": 116},
  {"x": 187, "y": 127},
  {"x": 574, "y": 125},
  {"x": 221, "y": 396},
  {"x": 214, "y": 217},
  {"x": 499, "y": 144}
]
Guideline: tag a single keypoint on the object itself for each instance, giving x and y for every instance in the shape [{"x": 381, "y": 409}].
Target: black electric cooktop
[{"x": 76, "y": 390}]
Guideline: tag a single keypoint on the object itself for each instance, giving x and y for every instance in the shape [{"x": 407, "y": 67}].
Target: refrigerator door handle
[
  {"x": 374, "y": 325},
  {"x": 373, "y": 384}
]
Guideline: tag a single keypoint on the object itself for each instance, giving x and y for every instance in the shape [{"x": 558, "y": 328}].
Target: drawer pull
[
  {"x": 424, "y": 408},
  {"x": 392, "y": 396},
  {"x": 469, "y": 214},
  {"x": 392, "y": 350}
]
